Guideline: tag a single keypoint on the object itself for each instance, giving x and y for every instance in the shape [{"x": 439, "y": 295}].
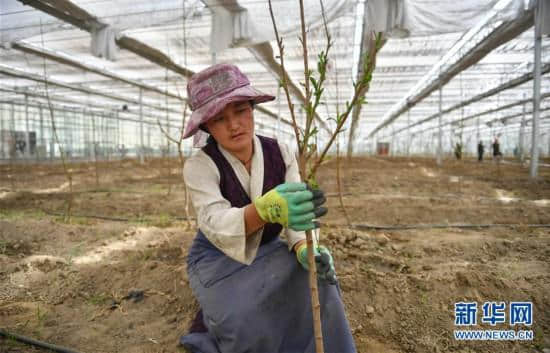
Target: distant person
[
  {"x": 497, "y": 155},
  {"x": 122, "y": 150},
  {"x": 480, "y": 151},
  {"x": 458, "y": 151}
]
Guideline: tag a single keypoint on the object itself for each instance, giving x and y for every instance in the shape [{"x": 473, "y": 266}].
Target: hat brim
[{"x": 216, "y": 105}]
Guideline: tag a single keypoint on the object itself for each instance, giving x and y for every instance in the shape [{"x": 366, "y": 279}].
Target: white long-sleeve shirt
[{"x": 222, "y": 224}]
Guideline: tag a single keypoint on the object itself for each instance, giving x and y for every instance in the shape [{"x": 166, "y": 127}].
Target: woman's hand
[
  {"x": 293, "y": 205},
  {"x": 323, "y": 261}
]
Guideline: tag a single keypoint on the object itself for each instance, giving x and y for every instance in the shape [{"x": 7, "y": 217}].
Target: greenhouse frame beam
[
  {"x": 66, "y": 59},
  {"x": 152, "y": 54},
  {"x": 89, "y": 106},
  {"x": 516, "y": 115},
  {"x": 57, "y": 107},
  {"x": 439, "y": 76},
  {"x": 80, "y": 18},
  {"x": 499, "y": 119},
  {"x": 512, "y": 127},
  {"x": 20, "y": 73},
  {"x": 504, "y": 107},
  {"x": 66, "y": 11},
  {"x": 506, "y": 85}
]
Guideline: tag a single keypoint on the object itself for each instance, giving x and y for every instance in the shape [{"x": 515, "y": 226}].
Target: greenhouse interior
[{"x": 424, "y": 124}]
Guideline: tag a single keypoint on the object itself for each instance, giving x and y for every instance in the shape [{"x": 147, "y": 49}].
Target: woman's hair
[
  {"x": 203, "y": 125},
  {"x": 210, "y": 140}
]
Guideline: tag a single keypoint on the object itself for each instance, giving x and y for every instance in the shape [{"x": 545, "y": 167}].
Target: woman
[{"x": 252, "y": 287}]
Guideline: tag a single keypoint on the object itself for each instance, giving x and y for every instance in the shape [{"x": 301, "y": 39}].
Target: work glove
[
  {"x": 323, "y": 261},
  {"x": 292, "y": 205}
]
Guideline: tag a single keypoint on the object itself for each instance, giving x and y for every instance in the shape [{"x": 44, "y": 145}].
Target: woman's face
[{"x": 233, "y": 127}]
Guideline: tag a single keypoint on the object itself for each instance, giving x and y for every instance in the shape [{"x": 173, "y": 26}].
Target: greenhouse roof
[{"x": 108, "y": 56}]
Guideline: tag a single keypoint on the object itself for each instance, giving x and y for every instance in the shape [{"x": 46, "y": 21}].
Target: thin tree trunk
[{"x": 305, "y": 152}]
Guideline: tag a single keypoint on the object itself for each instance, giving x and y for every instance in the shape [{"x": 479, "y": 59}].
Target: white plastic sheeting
[
  {"x": 400, "y": 18},
  {"x": 245, "y": 23},
  {"x": 103, "y": 43}
]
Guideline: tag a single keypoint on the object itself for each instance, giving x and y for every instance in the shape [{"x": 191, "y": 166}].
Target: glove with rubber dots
[
  {"x": 293, "y": 205},
  {"x": 323, "y": 261}
]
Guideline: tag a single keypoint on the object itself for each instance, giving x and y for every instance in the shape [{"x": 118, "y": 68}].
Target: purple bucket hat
[{"x": 210, "y": 90}]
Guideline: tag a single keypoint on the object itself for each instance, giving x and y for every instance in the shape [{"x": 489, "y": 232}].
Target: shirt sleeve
[
  {"x": 292, "y": 175},
  {"x": 222, "y": 224}
]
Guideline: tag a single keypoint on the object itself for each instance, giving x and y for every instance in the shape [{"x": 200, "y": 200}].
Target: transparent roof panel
[{"x": 160, "y": 43}]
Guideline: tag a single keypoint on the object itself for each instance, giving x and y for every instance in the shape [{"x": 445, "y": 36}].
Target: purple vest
[{"x": 231, "y": 188}]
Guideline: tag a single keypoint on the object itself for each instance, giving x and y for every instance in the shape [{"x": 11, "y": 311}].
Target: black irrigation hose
[
  {"x": 116, "y": 219},
  {"x": 36, "y": 343},
  {"x": 441, "y": 226},
  {"x": 88, "y": 216},
  {"x": 359, "y": 226}
]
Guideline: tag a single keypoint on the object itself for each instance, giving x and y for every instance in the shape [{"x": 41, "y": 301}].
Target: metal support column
[
  {"x": 12, "y": 151},
  {"x": 100, "y": 138},
  {"x": 440, "y": 131},
  {"x": 409, "y": 135},
  {"x": 2, "y": 133},
  {"x": 27, "y": 139},
  {"x": 141, "y": 149},
  {"x": 86, "y": 135},
  {"x": 148, "y": 138},
  {"x": 52, "y": 138},
  {"x": 167, "y": 132},
  {"x": 81, "y": 133},
  {"x": 94, "y": 147},
  {"x": 104, "y": 137},
  {"x": 69, "y": 150},
  {"x": 393, "y": 146},
  {"x": 533, "y": 168},
  {"x": 108, "y": 141},
  {"x": 117, "y": 137},
  {"x": 42, "y": 137},
  {"x": 521, "y": 148}
]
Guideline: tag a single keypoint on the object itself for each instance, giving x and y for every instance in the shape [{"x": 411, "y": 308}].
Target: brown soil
[{"x": 66, "y": 282}]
